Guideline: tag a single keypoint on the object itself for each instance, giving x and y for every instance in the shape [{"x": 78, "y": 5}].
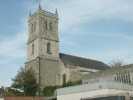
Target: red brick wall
[{"x": 24, "y": 98}]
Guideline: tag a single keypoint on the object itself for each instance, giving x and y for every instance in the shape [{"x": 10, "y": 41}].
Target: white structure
[
  {"x": 123, "y": 74},
  {"x": 95, "y": 91}
]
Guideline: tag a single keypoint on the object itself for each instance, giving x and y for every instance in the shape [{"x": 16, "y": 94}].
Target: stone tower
[{"x": 43, "y": 47}]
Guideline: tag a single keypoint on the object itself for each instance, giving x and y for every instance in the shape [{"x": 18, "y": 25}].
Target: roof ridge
[
  {"x": 81, "y": 57},
  {"x": 83, "y": 62}
]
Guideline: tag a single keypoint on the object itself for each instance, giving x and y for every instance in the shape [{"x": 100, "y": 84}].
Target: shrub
[
  {"x": 72, "y": 83},
  {"x": 50, "y": 90}
]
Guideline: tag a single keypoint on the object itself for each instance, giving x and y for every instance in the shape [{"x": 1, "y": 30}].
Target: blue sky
[{"x": 96, "y": 29}]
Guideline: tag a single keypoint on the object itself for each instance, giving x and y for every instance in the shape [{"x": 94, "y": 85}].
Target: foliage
[
  {"x": 13, "y": 92},
  {"x": 25, "y": 81},
  {"x": 49, "y": 91},
  {"x": 72, "y": 83}
]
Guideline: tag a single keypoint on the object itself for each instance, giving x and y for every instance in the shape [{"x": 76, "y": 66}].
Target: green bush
[
  {"x": 72, "y": 83},
  {"x": 49, "y": 91},
  {"x": 25, "y": 80}
]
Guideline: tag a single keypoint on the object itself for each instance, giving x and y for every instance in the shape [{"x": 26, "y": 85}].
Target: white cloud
[
  {"x": 75, "y": 12},
  {"x": 12, "y": 57},
  {"x": 13, "y": 46}
]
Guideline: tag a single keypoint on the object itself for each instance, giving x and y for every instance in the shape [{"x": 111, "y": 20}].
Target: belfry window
[
  {"x": 34, "y": 29},
  {"x": 46, "y": 25},
  {"x": 64, "y": 78},
  {"x": 33, "y": 49},
  {"x": 31, "y": 27},
  {"x": 48, "y": 48},
  {"x": 50, "y": 26}
]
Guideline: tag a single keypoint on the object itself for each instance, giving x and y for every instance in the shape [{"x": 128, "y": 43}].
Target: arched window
[
  {"x": 46, "y": 25},
  {"x": 64, "y": 79},
  {"x": 50, "y": 26},
  {"x": 34, "y": 29},
  {"x": 31, "y": 27},
  {"x": 43, "y": 28},
  {"x": 33, "y": 49},
  {"x": 48, "y": 48}
]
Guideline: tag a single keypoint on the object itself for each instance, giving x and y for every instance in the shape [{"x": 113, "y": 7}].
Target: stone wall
[
  {"x": 49, "y": 69},
  {"x": 34, "y": 65},
  {"x": 50, "y": 72}
]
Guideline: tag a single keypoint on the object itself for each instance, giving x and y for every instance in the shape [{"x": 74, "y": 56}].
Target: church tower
[{"x": 43, "y": 47}]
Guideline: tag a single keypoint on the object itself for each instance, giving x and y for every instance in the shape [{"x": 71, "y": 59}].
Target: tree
[
  {"x": 50, "y": 90},
  {"x": 117, "y": 63},
  {"x": 25, "y": 81},
  {"x": 13, "y": 92}
]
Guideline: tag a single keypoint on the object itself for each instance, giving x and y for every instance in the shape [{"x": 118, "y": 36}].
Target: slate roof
[{"x": 82, "y": 62}]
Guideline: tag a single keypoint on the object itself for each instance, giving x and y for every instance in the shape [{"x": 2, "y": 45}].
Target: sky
[{"x": 95, "y": 29}]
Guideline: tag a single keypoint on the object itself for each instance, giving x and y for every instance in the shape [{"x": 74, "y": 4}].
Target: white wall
[{"x": 91, "y": 94}]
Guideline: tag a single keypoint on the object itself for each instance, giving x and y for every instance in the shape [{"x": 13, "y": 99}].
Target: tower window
[
  {"x": 46, "y": 25},
  {"x": 48, "y": 48},
  {"x": 50, "y": 26},
  {"x": 33, "y": 49},
  {"x": 33, "y": 27},
  {"x": 64, "y": 79}
]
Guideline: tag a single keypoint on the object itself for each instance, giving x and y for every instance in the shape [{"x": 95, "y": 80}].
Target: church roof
[{"x": 82, "y": 62}]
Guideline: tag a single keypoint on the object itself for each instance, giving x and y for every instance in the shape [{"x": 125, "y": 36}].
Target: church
[{"x": 51, "y": 67}]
